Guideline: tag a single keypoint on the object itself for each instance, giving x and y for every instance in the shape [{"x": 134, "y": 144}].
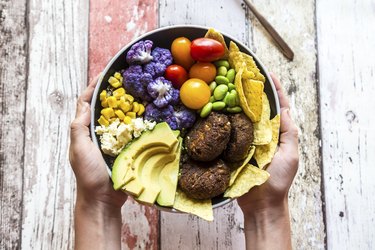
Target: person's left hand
[{"x": 93, "y": 183}]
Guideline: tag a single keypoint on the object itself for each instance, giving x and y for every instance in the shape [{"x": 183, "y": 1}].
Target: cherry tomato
[
  {"x": 203, "y": 71},
  {"x": 206, "y": 50},
  {"x": 195, "y": 93},
  {"x": 176, "y": 74},
  {"x": 180, "y": 50}
]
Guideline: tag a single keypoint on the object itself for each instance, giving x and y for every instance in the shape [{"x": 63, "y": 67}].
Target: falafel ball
[
  {"x": 208, "y": 137},
  {"x": 241, "y": 137},
  {"x": 204, "y": 180}
]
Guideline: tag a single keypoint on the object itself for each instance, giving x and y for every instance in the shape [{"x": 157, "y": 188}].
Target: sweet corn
[
  {"x": 112, "y": 102},
  {"x": 131, "y": 115},
  {"x": 118, "y": 76},
  {"x": 120, "y": 114},
  {"x": 103, "y": 95},
  {"x": 102, "y": 121},
  {"x": 105, "y": 103},
  {"x": 114, "y": 82},
  {"x": 108, "y": 113},
  {"x": 118, "y": 93},
  {"x": 141, "y": 110},
  {"x": 112, "y": 119},
  {"x": 125, "y": 106},
  {"x": 129, "y": 98},
  {"x": 135, "y": 107},
  {"x": 127, "y": 120}
]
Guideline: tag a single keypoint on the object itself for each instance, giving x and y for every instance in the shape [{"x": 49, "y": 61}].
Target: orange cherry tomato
[
  {"x": 203, "y": 71},
  {"x": 195, "y": 93},
  {"x": 180, "y": 50}
]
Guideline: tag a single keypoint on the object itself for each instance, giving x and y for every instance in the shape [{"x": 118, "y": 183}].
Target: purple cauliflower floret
[
  {"x": 140, "y": 53},
  {"x": 155, "y": 68},
  {"x": 136, "y": 81},
  {"x": 163, "y": 93},
  {"x": 162, "y": 56},
  {"x": 153, "y": 113},
  {"x": 182, "y": 118}
]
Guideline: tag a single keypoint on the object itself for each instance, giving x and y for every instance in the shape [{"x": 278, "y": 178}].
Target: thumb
[
  {"x": 288, "y": 133},
  {"x": 79, "y": 126}
]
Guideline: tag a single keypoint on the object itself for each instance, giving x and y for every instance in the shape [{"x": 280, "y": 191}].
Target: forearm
[
  {"x": 97, "y": 226},
  {"x": 268, "y": 229}
]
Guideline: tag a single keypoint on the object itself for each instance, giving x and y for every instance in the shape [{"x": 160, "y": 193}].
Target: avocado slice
[
  {"x": 161, "y": 135},
  {"x": 168, "y": 179}
]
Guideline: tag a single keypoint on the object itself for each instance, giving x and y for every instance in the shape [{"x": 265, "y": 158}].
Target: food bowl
[{"x": 163, "y": 37}]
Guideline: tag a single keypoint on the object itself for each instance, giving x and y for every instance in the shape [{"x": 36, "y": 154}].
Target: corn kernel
[
  {"x": 103, "y": 121},
  {"x": 125, "y": 106},
  {"x": 112, "y": 102},
  {"x": 141, "y": 110},
  {"x": 118, "y": 93},
  {"x": 103, "y": 95},
  {"x": 127, "y": 120},
  {"x": 112, "y": 119},
  {"x": 108, "y": 113},
  {"x": 135, "y": 107},
  {"x": 118, "y": 76},
  {"x": 129, "y": 98},
  {"x": 105, "y": 103},
  {"x": 114, "y": 82},
  {"x": 120, "y": 114},
  {"x": 131, "y": 114}
]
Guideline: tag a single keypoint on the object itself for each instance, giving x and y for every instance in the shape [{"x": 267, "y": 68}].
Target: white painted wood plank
[
  {"x": 346, "y": 37},
  {"x": 57, "y": 74},
  {"x": 185, "y": 231},
  {"x": 12, "y": 107},
  {"x": 294, "y": 20}
]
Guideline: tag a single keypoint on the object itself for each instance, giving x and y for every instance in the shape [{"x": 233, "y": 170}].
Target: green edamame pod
[
  {"x": 230, "y": 75},
  {"x": 219, "y": 105},
  {"x": 220, "y": 63},
  {"x": 231, "y": 86},
  {"x": 222, "y": 71},
  {"x": 236, "y": 109},
  {"x": 221, "y": 80},
  {"x": 212, "y": 86},
  {"x": 220, "y": 92},
  {"x": 206, "y": 110}
]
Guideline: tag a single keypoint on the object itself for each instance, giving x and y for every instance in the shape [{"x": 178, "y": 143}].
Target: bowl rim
[{"x": 171, "y": 27}]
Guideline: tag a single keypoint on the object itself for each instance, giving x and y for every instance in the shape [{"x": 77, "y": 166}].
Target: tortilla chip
[
  {"x": 235, "y": 173},
  {"x": 263, "y": 128},
  {"x": 249, "y": 177},
  {"x": 241, "y": 95},
  {"x": 213, "y": 34},
  {"x": 253, "y": 90},
  {"x": 200, "y": 208},
  {"x": 252, "y": 67},
  {"x": 264, "y": 153}
]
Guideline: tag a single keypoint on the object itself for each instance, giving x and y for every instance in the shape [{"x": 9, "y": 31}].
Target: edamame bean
[
  {"x": 206, "y": 110},
  {"x": 218, "y": 105},
  {"x": 231, "y": 86},
  {"x": 231, "y": 100},
  {"x": 236, "y": 109},
  {"x": 212, "y": 86},
  {"x": 220, "y": 92},
  {"x": 226, "y": 98},
  {"x": 220, "y": 63},
  {"x": 230, "y": 75},
  {"x": 212, "y": 99},
  {"x": 221, "y": 80},
  {"x": 222, "y": 71}
]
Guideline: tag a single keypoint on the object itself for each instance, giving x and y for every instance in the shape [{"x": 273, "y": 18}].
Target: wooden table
[{"x": 47, "y": 47}]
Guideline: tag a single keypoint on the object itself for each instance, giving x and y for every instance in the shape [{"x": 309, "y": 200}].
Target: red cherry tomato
[
  {"x": 176, "y": 74},
  {"x": 206, "y": 50}
]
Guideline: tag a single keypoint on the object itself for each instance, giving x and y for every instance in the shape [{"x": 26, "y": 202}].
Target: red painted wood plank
[{"x": 113, "y": 24}]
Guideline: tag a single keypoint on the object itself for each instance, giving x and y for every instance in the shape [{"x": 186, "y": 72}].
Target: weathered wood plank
[
  {"x": 346, "y": 38},
  {"x": 295, "y": 22},
  {"x": 113, "y": 24},
  {"x": 13, "y": 75},
  {"x": 184, "y": 231},
  {"x": 57, "y": 74}
]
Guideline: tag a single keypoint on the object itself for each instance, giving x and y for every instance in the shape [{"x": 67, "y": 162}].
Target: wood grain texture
[
  {"x": 294, "y": 21},
  {"x": 57, "y": 74},
  {"x": 182, "y": 231},
  {"x": 13, "y": 68},
  {"x": 113, "y": 24},
  {"x": 346, "y": 39}
]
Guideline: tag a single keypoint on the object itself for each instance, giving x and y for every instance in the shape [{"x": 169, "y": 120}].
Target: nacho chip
[
  {"x": 249, "y": 177},
  {"x": 264, "y": 153},
  {"x": 200, "y": 208},
  {"x": 252, "y": 67},
  {"x": 213, "y": 34},
  {"x": 241, "y": 95},
  {"x": 263, "y": 128},
  {"x": 253, "y": 90},
  {"x": 235, "y": 173}
]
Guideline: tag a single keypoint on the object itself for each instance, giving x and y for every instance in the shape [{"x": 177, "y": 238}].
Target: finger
[
  {"x": 79, "y": 131},
  {"x": 288, "y": 134},
  {"x": 89, "y": 91},
  {"x": 284, "y": 103}
]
